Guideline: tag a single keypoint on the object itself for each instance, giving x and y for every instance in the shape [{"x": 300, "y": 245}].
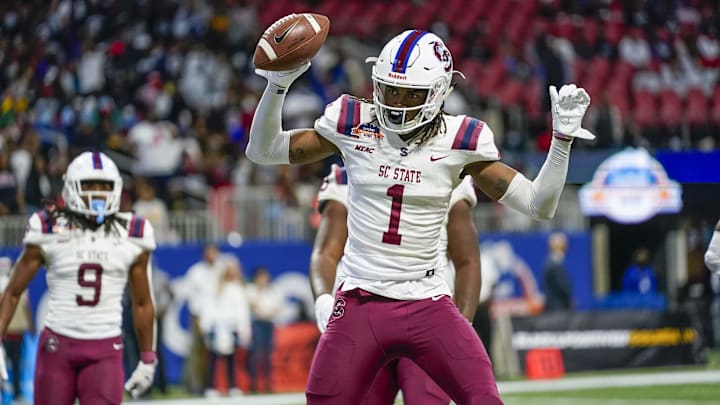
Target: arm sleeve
[
  {"x": 540, "y": 197},
  {"x": 268, "y": 143},
  {"x": 712, "y": 255}
]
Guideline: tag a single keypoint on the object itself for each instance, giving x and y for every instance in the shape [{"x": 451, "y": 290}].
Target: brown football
[{"x": 291, "y": 41}]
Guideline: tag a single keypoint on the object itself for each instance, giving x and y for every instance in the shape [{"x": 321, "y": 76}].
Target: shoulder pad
[{"x": 334, "y": 186}]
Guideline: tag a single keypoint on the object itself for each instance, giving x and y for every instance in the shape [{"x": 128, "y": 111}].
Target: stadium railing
[{"x": 255, "y": 213}]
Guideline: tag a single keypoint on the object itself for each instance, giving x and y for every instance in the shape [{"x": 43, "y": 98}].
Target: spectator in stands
[
  {"x": 558, "y": 294},
  {"x": 158, "y": 151},
  {"x": 20, "y": 324},
  {"x": 225, "y": 323},
  {"x": 639, "y": 277},
  {"x": 9, "y": 195},
  {"x": 635, "y": 49},
  {"x": 265, "y": 305},
  {"x": 153, "y": 209}
]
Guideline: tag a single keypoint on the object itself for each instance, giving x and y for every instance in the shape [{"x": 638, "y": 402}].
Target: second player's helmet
[
  {"x": 414, "y": 59},
  {"x": 87, "y": 167}
]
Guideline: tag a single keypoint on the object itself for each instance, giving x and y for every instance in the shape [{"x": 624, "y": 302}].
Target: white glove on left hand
[
  {"x": 141, "y": 379},
  {"x": 3, "y": 367},
  {"x": 323, "y": 308},
  {"x": 285, "y": 78},
  {"x": 568, "y": 108}
]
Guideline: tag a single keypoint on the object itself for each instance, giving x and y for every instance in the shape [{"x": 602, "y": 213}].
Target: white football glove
[
  {"x": 3, "y": 367},
  {"x": 568, "y": 108},
  {"x": 283, "y": 79},
  {"x": 323, "y": 308},
  {"x": 141, "y": 379}
]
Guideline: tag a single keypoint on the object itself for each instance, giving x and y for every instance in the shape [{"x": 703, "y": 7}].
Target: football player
[
  {"x": 404, "y": 155},
  {"x": 89, "y": 251},
  {"x": 328, "y": 248}
]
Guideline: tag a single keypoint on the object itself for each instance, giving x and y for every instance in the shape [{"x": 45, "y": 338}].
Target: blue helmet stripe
[{"x": 403, "y": 54}]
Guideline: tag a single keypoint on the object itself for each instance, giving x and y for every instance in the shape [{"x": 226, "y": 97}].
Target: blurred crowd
[{"x": 167, "y": 87}]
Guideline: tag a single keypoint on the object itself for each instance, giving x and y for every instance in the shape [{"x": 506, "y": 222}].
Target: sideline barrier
[{"x": 599, "y": 340}]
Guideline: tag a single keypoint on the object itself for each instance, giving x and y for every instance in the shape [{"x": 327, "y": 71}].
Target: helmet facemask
[
  {"x": 412, "y": 60},
  {"x": 403, "y": 120}
]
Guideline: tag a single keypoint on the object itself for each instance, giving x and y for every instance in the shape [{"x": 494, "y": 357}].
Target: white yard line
[
  {"x": 624, "y": 380},
  {"x": 594, "y": 401},
  {"x": 511, "y": 387}
]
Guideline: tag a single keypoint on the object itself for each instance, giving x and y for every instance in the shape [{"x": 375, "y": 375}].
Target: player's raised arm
[
  {"x": 281, "y": 56},
  {"x": 269, "y": 144},
  {"x": 539, "y": 198}
]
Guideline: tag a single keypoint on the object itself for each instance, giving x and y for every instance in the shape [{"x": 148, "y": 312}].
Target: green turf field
[{"x": 692, "y": 394}]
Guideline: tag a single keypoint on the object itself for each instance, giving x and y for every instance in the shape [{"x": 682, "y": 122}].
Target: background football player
[{"x": 89, "y": 251}]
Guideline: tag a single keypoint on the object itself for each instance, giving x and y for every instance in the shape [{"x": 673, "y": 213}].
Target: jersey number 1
[
  {"x": 392, "y": 237},
  {"x": 95, "y": 283}
]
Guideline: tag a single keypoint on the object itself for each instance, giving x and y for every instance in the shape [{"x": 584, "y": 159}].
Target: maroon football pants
[
  {"x": 67, "y": 368},
  {"x": 402, "y": 374},
  {"x": 367, "y": 331}
]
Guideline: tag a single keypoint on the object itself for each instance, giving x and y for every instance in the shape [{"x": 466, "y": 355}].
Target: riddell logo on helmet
[{"x": 394, "y": 75}]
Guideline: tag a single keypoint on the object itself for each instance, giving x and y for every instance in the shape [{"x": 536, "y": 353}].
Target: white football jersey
[
  {"x": 334, "y": 187},
  {"x": 399, "y": 193},
  {"x": 86, "y": 272}
]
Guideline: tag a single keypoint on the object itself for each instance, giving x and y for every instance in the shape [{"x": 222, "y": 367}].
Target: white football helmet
[
  {"x": 414, "y": 59},
  {"x": 90, "y": 166}
]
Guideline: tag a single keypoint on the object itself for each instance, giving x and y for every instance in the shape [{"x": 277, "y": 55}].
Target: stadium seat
[
  {"x": 715, "y": 107},
  {"x": 492, "y": 74},
  {"x": 622, "y": 73},
  {"x": 511, "y": 93},
  {"x": 598, "y": 69},
  {"x": 696, "y": 108},
  {"x": 671, "y": 108},
  {"x": 644, "y": 109},
  {"x": 619, "y": 96}
]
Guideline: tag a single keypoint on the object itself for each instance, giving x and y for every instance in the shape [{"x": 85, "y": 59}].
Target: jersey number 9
[{"x": 92, "y": 282}]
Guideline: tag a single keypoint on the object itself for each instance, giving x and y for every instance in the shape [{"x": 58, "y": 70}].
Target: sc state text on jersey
[
  {"x": 92, "y": 255},
  {"x": 400, "y": 174}
]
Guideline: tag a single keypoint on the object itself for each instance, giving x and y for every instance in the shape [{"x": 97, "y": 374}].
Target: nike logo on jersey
[
  {"x": 281, "y": 37},
  {"x": 437, "y": 297},
  {"x": 118, "y": 346},
  {"x": 436, "y": 158}
]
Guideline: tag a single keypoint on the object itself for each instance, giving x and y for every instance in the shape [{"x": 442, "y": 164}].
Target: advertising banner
[
  {"x": 630, "y": 187},
  {"x": 597, "y": 340}
]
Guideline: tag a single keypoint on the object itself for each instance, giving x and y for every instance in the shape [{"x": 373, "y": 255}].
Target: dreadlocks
[
  {"x": 82, "y": 221},
  {"x": 431, "y": 129}
]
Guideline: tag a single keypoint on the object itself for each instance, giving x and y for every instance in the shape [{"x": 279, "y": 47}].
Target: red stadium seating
[
  {"x": 493, "y": 72},
  {"x": 644, "y": 109},
  {"x": 715, "y": 108},
  {"x": 671, "y": 108},
  {"x": 696, "y": 108}
]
